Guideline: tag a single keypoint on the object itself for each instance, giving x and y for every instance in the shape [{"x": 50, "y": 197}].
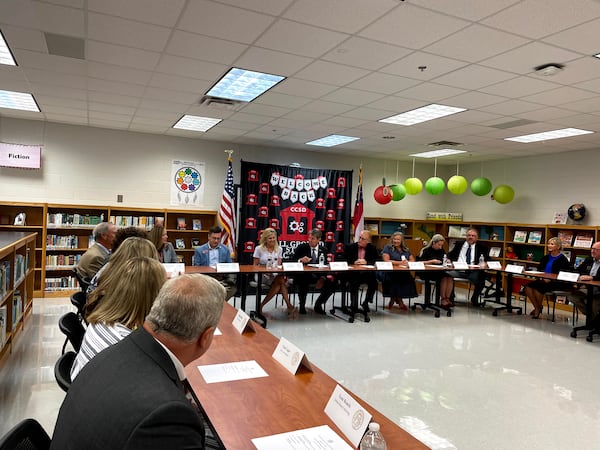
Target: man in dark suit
[
  {"x": 470, "y": 251},
  {"x": 131, "y": 395},
  {"x": 588, "y": 270},
  {"x": 309, "y": 253},
  {"x": 362, "y": 253}
]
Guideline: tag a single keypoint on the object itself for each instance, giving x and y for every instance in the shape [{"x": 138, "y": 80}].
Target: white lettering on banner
[{"x": 292, "y": 187}]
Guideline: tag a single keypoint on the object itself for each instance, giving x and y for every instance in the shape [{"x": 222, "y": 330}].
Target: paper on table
[
  {"x": 322, "y": 437},
  {"x": 242, "y": 370}
]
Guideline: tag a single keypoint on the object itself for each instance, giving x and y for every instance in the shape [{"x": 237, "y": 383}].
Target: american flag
[
  {"x": 359, "y": 216},
  {"x": 227, "y": 210}
]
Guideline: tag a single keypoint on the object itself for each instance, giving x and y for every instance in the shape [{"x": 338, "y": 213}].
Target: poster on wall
[
  {"x": 187, "y": 183},
  {"x": 293, "y": 200},
  {"x": 20, "y": 156}
]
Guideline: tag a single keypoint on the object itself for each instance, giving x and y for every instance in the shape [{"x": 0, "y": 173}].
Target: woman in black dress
[{"x": 433, "y": 253}]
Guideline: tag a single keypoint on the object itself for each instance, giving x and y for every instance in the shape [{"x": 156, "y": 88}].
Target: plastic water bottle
[
  {"x": 445, "y": 261},
  {"x": 321, "y": 259},
  {"x": 373, "y": 439},
  {"x": 269, "y": 263},
  {"x": 481, "y": 262}
]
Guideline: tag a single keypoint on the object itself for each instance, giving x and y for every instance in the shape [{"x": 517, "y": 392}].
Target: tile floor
[{"x": 469, "y": 382}]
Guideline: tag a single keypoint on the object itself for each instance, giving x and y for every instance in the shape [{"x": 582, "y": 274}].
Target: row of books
[
  {"x": 582, "y": 240},
  {"x": 180, "y": 243},
  {"x": 17, "y": 311},
  {"x": 60, "y": 283},
  {"x": 62, "y": 260},
  {"x": 4, "y": 277},
  {"x": 182, "y": 225},
  {"x": 535, "y": 237},
  {"x": 55, "y": 241},
  {"x": 146, "y": 222},
  {"x": 21, "y": 263},
  {"x": 73, "y": 220}
]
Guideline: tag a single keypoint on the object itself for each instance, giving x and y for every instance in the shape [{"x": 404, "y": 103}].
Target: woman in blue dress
[{"x": 401, "y": 283}]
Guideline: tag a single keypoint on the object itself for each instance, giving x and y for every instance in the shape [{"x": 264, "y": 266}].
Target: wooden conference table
[{"x": 245, "y": 409}]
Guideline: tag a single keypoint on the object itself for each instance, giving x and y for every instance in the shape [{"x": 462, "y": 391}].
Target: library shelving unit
[
  {"x": 187, "y": 229},
  {"x": 145, "y": 218},
  {"x": 17, "y": 274},
  {"x": 528, "y": 242}
]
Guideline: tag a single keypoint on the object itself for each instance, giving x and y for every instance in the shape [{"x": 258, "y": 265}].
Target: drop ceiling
[{"x": 348, "y": 64}]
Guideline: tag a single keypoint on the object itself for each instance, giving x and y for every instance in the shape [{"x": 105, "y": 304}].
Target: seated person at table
[
  {"x": 553, "y": 262},
  {"x": 127, "y": 292},
  {"x": 469, "y": 251},
  {"x": 213, "y": 253},
  {"x": 588, "y": 270},
  {"x": 401, "y": 284},
  {"x": 96, "y": 256},
  {"x": 166, "y": 252},
  {"x": 433, "y": 253},
  {"x": 268, "y": 250},
  {"x": 131, "y": 395},
  {"x": 309, "y": 253},
  {"x": 362, "y": 253}
]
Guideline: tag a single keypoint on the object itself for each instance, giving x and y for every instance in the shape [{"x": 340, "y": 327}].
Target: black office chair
[
  {"x": 62, "y": 370},
  {"x": 84, "y": 282},
  {"x": 71, "y": 326},
  {"x": 79, "y": 300},
  {"x": 26, "y": 435}
]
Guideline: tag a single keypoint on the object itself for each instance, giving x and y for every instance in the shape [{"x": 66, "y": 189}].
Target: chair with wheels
[
  {"x": 26, "y": 435},
  {"x": 71, "y": 326},
  {"x": 62, "y": 370}
]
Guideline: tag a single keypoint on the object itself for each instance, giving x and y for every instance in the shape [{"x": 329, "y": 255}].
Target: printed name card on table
[
  {"x": 494, "y": 265},
  {"x": 242, "y": 322},
  {"x": 293, "y": 267},
  {"x": 322, "y": 437},
  {"x": 514, "y": 268},
  {"x": 174, "y": 269},
  {"x": 384, "y": 265},
  {"x": 290, "y": 356},
  {"x": 567, "y": 276},
  {"x": 416, "y": 265},
  {"x": 460, "y": 265},
  {"x": 338, "y": 265},
  {"x": 228, "y": 267},
  {"x": 348, "y": 415}
]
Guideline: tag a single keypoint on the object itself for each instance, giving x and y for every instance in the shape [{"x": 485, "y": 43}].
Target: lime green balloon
[
  {"x": 413, "y": 186},
  {"x": 457, "y": 184},
  {"x": 398, "y": 192},
  {"x": 504, "y": 194},
  {"x": 481, "y": 186},
  {"x": 435, "y": 185}
]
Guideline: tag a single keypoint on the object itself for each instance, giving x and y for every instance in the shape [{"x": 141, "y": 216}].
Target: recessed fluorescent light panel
[
  {"x": 332, "y": 140},
  {"x": 597, "y": 55},
  {"x": 196, "y": 123},
  {"x": 547, "y": 135},
  {"x": 243, "y": 85},
  {"x": 438, "y": 153},
  {"x": 6, "y": 56},
  {"x": 18, "y": 100},
  {"x": 423, "y": 114}
]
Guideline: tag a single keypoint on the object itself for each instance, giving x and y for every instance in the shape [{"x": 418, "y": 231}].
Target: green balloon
[
  {"x": 457, "y": 184},
  {"x": 481, "y": 186},
  {"x": 504, "y": 194},
  {"x": 398, "y": 192},
  {"x": 413, "y": 186},
  {"x": 435, "y": 185}
]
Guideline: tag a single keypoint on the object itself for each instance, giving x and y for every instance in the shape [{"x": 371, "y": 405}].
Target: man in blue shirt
[{"x": 212, "y": 253}]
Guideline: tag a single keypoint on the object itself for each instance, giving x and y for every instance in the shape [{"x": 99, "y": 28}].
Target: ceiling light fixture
[
  {"x": 6, "y": 56},
  {"x": 332, "y": 140},
  {"x": 549, "y": 69},
  {"x": 597, "y": 55},
  {"x": 243, "y": 85},
  {"x": 18, "y": 100},
  {"x": 423, "y": 114},
  {"x": 548, "y": 135},
  {"x": 438, "y": 153},
  {"x": 196, "y": 123}
]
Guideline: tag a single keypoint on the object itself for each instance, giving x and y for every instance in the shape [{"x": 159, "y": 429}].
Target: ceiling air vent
[
  {"x": 444, "y": 144},
  {"x": 512, "y": 124},
  {"x": 220, "y": 103}
]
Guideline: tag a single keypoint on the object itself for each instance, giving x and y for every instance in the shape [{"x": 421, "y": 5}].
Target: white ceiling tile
[
  {"x": 128, "y": 33},
  {"x": 582, "y": 69},
  {"x": 511, "y": 107},
  {"x": 125, "y": 100},
  {"x": 520, "y": 87},
  {"x": 179, "y": 83},
  {"x": 60, "y": 20},
  {"x": 96, "y": 84},
  {"x": 383, "y": 83},
  {"x": 36, "y": 76},
  {"x": 307, "y": 116},
  {"x": 352, "y": 96},
  {"x": 582, "y": 38},
  {"x": 466, "y": 9},
  {"x": 365, "y": 53},
  {"x": 270, "y": 61},
  {"x": 203, "y": 47},
  {"x": 305, "y": 88},
  {"x": 193, "y": 68},
  {"x": 24, "y": 38},
  {"x": 68, "y": 118},
  {"x": 395, "y": 104},
  {"x": 591, "y": 85},
  {"x": 299, "y": 39},
  {"x": 252, "y": 118},
  {"x": 101, "y": 115},
  {"x": 118, "y": 73},
  {"x": 265, "y": 110},
  {"x": 223, "y": 21},
  {"x": 471, "y": 100},
  {"x": 475, "y": 117},
  {"x": 158, "y": 12},
  {"x": 546, "y": 114},
  {"x": 148, "y": 103},
  {"x": 170, "y": 95},
  {"x": 159, "y": 117},
  {"x": 107, "y": 108},
  {"x": 346, "y": 122},
  {"x": 431, "y": 92},
  {"x": 433, "y": 66},
  {"x": 367, "y": 114},
  {"x": 326, "y": 72},
  {"x": 474, "y": 77},
  {"x": 283, "y": 100},
  {"x": 587, "y": 105},
  {"x": 44, "y": 61},
  {"x": 121, "y": 56},
  {"x": 557, "y": 96},
  {"x": 65, "y": 92},
  {"x": 324, "y": 107},
  {"x": 274, "y": 7}
]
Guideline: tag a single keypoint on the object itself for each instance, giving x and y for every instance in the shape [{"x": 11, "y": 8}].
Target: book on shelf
[
  {"x": 457, "y": 231},
  {"x": 179, "y": 243},
  {"x": 3, "y": 319},
  {"x": 535, "y": 237},
  {"x": 195, "y": 242},
  {"x": 559, "y": 217},
  {"x": 495, "y": 252},
  {"x": 567, "y": 254},
  {"x": 196, "y": 224},
  {"x": 520, "y": 236},
  {"x": 373, "y": 228},
  {"x": 181, "y": 225},
  {"x": 578, "y": 260},
  {"x": 583, "y": 240},
  {"x": 566, "y": 237}
]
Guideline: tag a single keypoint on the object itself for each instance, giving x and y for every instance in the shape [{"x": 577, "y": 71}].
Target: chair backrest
[
  {"x": 71, "y": 326},
  {"x": 84, "y": 282},
  {"x": 79, "y": 299},
  {"x": 26, "y": 435},
  {"x": 62, "y": 370}
]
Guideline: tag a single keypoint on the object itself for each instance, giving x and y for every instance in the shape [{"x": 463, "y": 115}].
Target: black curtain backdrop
[{"x": 293, "y": 201}]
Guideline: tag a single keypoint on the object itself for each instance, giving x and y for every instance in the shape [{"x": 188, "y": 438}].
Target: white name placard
[
  {"x": 290, "y": 356},
  {"x": 567, "y": 276},
  {"x": 348, "y": 415},
  {"x": 293, "y": 266},
  {"x": 228, "y": 267},
  {"x": 460, "y": 265},
  {"x": 416, "y": 265},
  {"x": 338, "y": 265},
  {"x": 513, "y": 268},
  {"x": 494, "y": 265},
  {"x": 242, "y": 322},
  {"x": 384, "y": 265},
  {"x": 174, "y": 269}
]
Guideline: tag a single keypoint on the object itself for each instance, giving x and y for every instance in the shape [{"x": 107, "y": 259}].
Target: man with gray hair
[
  {"x": 96, "y": 256},
  {"x": 131, "y": 395}
]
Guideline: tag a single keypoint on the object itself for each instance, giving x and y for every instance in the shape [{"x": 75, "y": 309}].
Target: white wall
[{"x": 83, "y": 165}]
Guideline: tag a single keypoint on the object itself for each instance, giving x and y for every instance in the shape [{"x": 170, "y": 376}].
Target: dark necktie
[
  {"x": 314, "y": 255},
  {"x": 468, "y": 255}
]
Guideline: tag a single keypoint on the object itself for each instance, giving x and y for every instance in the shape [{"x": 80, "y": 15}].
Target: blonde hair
[
  {"x": 155, "y": 236},
  {"x": 556, "y": 241},
  {"x": 131, "y": 247},
  {"x": 266, "y": 233},
  {"x": 435, "y": 238},
  {"x": 126, "y": 292}
]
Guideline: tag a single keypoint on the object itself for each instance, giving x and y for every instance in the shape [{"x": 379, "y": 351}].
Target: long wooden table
[{"x": 242, "y": 410}]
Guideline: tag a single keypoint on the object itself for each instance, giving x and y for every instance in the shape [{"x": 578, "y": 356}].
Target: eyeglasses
[{"x": 362, "y": 238}]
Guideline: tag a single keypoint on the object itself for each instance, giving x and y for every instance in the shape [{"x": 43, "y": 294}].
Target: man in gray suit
[
  {"x": 96, "y": 256},
  {"x": 131, "y": 395}
]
